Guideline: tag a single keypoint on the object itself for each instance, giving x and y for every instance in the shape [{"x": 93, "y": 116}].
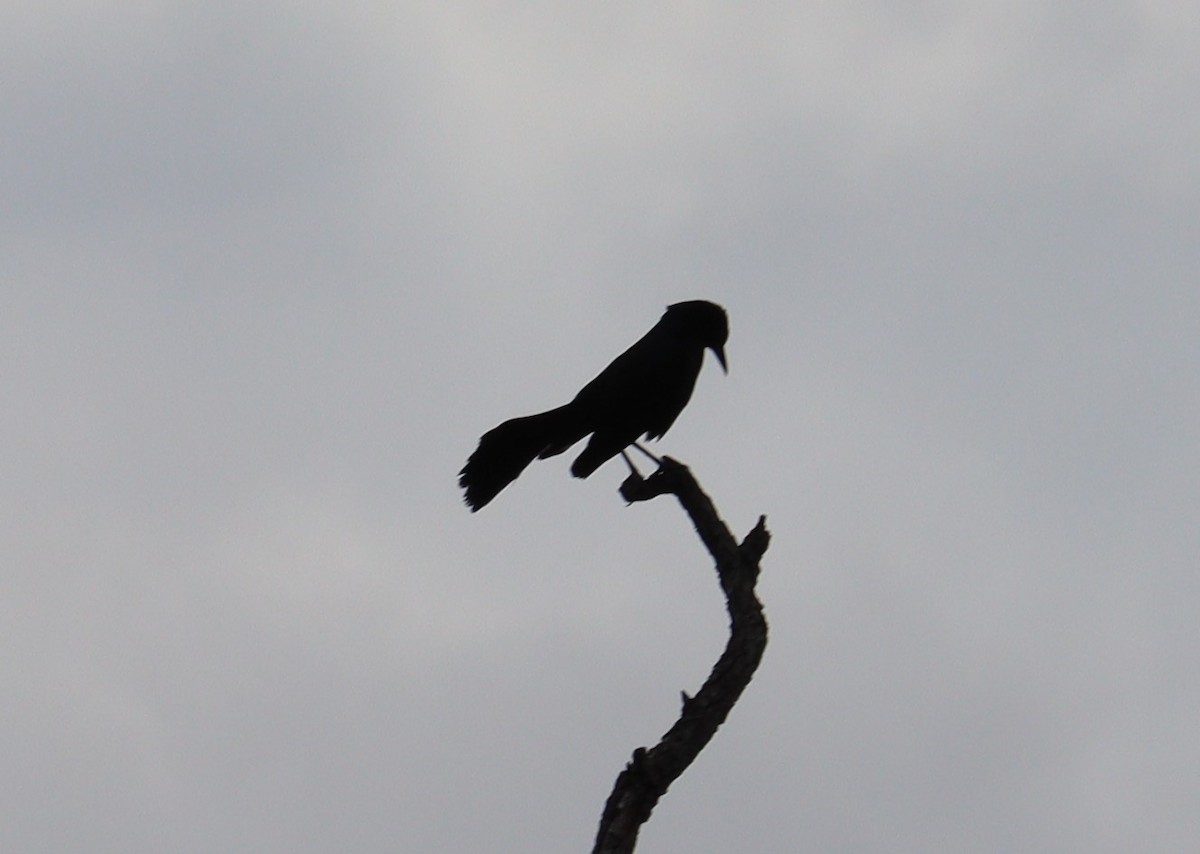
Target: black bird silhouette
[{"x": 640, "y": 393}]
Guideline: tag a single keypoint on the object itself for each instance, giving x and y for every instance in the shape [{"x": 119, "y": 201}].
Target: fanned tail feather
[{"x": 505, "y": 451}]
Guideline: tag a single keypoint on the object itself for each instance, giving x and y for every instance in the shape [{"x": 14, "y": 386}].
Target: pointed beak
[{"x": 719, "y": 352}]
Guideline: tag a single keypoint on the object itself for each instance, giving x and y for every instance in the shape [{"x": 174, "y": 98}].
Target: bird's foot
[
  {"x": 632, "y": 485},
  {"x": 665, "y": 478}
]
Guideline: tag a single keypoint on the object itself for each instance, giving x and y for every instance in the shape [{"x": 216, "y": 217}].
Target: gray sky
[{"x": 268, "y": 273}]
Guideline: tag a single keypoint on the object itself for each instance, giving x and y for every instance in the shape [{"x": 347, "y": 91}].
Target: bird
[{"x": 640, "y": 393}]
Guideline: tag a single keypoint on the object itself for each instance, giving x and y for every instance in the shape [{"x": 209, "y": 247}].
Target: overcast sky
[{"x": 268, "y": 270}]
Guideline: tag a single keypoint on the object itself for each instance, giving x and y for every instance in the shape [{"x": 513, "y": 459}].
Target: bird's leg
[
  {"x": 656, "y": 460},
  {"x": 633, "y": 484}
]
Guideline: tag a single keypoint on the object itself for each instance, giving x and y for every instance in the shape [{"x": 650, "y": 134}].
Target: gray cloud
[{"x": 270, "y": 272}]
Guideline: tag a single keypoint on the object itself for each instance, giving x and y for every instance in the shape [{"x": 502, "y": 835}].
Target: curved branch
[{"x": 651, "y": 771}]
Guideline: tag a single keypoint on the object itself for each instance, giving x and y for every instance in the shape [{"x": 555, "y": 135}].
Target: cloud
[{"x": 270, "y": 272}]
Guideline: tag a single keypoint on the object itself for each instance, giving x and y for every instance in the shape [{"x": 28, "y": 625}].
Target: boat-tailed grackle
[{"x": 640, "y": 393}]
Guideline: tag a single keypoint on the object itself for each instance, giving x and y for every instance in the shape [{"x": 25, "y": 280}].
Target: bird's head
[{"x": 704, "y": 322}]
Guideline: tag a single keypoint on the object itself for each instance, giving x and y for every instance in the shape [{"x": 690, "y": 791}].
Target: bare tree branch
[{"x": 651, "y": 771}]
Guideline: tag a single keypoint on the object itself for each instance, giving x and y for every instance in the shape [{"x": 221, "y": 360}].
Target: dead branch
[{"x": 651, "y": 771}]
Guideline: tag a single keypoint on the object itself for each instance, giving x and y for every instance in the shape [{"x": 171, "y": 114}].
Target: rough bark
[{"x": 652, "y": 770}]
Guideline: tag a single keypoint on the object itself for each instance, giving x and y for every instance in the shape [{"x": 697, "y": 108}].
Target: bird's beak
[{"x": 719, "y": 352}]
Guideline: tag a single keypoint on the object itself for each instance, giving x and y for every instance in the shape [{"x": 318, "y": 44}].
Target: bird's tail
[{"x": 505, "y": 451}]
